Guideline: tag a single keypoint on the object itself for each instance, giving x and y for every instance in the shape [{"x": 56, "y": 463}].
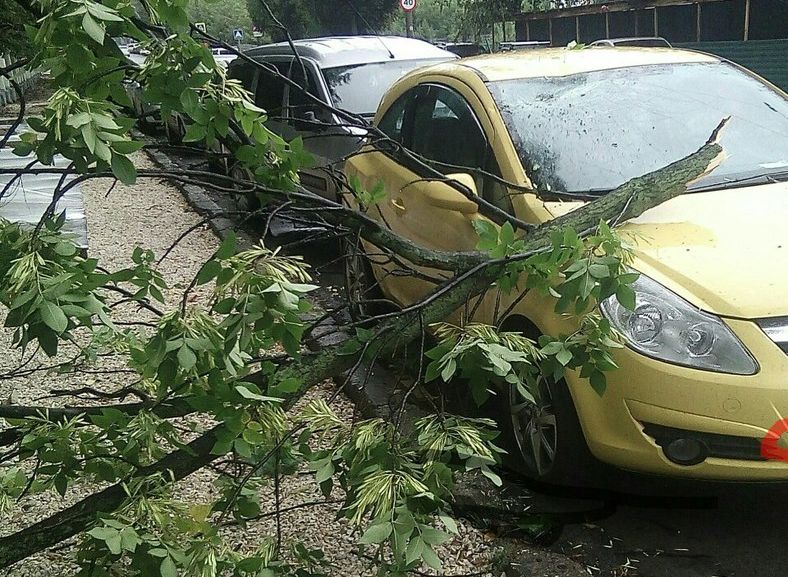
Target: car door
[
  {"x": 319, "y": 129},
  {"x": 437, "y": 123},
  {"x": 270, "y": 92}
]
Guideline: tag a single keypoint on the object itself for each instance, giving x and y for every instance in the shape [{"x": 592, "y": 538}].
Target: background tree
[
  {"x": 312, "y": 18},
  {"x": 237, "y": 361},
  {"x": 433, "y": 20},
  {"x": 13, "y": 36},
  {"x": 222, "y": 17}
]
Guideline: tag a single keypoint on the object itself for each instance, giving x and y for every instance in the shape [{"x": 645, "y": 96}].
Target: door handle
[{"x": 399, "y": 206}]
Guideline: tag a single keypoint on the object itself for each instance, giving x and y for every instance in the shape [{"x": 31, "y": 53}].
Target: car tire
[
  {"x": 175, "y": 129},
  {"x": 361, "y": 285},
  {"x": 244, "y": 201},
  {"x": 544, "y": 441}
]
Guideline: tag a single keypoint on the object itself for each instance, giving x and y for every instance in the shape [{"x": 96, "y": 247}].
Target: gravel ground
[{"x": 152, "y": 214}]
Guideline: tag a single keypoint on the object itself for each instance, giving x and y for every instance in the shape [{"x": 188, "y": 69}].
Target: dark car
[
  {"x": 350, "y": 73},
  {"x": 463, "y": 49}
]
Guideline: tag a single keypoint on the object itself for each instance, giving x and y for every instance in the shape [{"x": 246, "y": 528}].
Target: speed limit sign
[{"x": 407, "y": 5}]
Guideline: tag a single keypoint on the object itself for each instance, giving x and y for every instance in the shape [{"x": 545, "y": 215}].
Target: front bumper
[{"x": 648, "y": 400}]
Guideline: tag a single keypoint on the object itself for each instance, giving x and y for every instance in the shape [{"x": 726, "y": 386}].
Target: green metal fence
[{"x": 767, "y": 58}]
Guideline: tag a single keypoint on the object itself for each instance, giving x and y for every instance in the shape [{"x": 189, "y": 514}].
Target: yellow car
[{"x": 704, "y": 374}]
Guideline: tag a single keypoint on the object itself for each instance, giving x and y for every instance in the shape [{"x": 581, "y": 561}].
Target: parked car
[
  {"x": 223, "y": 56},
  {"x": 463, "y": 49},
  {"x": 351, "y": 73},
  {"x": 703, "y": 376},
  {"x": 646, "y": 42},
  {"x": 510, "y": 46}
]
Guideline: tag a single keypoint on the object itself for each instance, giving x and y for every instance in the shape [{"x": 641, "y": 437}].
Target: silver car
[{"x": 351, "y": 73}]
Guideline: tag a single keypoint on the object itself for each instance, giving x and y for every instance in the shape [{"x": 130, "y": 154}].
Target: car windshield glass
[
  {"x": 595, "y": 131},
  {"x": 360, "y": 88}
]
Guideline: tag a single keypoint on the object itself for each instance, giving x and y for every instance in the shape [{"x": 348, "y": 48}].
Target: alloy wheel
[
  {"x": 535, "y": 429},
  {"x": 359, "y": 282}
]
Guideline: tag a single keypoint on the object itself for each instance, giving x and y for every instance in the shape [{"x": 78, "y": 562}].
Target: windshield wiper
[{"x": 766, "y": 178}]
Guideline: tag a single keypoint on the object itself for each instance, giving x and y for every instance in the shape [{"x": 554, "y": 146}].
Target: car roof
[
  {"x": 335, "y": 51},
  {"x": 542, "y": 62}
]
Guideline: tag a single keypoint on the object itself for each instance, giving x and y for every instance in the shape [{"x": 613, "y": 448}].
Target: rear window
[{"x": 360, "y": 88}]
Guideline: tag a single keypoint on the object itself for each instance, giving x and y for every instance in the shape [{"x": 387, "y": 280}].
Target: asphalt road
[
  {"x": 740, "y": 533},
  {"x": 737, "y": 533}
]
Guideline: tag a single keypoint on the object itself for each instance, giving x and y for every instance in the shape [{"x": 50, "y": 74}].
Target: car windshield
[
  {"x": 595, "y": 131},
  {"x": 360, "y": 88}
]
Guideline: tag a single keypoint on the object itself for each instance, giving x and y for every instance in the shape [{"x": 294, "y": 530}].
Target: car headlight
[{"x": 665, "y": 326}]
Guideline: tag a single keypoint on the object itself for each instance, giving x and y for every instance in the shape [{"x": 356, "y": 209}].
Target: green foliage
[
  {"x": 367, "y": 198},
  {"x": 311, "y": 18},
  {"x": 198, "y": 359},
  {"x": 222, "y": 17},
  {"x": 14, "y": 40},
  {"x": 432, "y": 19},
  {"x": 397, "y": 485}
]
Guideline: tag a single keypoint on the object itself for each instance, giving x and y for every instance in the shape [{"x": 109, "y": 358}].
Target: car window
[
  {"x": 447, "y": 130},
  {"x": 360, "y": 88},
  {"x": 299, "y": 105},
  {"x": 270, "y": 93},
  {"x": 245, "y": 73},
  {"x": 393, "y": 122}
]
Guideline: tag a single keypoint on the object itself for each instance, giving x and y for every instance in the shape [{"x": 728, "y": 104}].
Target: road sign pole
[{"x": 408, "y": 6}]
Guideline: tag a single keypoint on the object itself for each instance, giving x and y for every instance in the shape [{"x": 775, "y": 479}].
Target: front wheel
[
  {"x": 544, "y": 439},
  {"x": 361, "y": 287}
]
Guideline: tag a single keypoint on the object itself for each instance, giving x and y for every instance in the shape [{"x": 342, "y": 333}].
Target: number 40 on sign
[{"x": 407, "y": 5}]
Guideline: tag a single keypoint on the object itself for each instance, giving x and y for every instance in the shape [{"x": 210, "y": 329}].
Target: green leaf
[
  {"x": 89, "y": 136},
  {"x": 430, "y": 558},
  {"x": 414, "y": 550},
  {"x": 451, "y": 524},
  {"x": 377, "y": 533},
  {"x": 626, "y": 296},
  {"x": 65, "y": 248},
  {"x": 208, "y": 272},
  {"x": 167, "y": 568},
  {"x": 189, "y": 101},
  {"x": 78, "y": 120},
  {"x": 247, "y": 394},
  {"x": 53, "y": 317},
  {"x": 598, "y": 382},
  {"x": 433, "y": 536},
  {"x": 195, "y": 133},
  {"x": 102, "y": 533},
  {"x": 127, "y": 146},
  {"x": 115, "y": 544},
  {"x": 186, "y": 358},
  {"x": 564, "y": 356},
  {"x": 93, "y": 28},
  {"x": 123, "y": 169},
  {"x": 325, "y": 472},
  {"x": 227, "y": 248}
]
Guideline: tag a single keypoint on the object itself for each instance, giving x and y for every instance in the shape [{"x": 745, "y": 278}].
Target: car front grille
[
  {"x": 721, "y": 446},
  {"x": 777, "y": 330}
]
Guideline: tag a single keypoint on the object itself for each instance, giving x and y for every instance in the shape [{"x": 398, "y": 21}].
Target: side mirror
[{"x": 442, "y": 195}]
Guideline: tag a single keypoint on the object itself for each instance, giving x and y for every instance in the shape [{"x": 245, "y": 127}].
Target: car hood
[{"x": 726, "y": 251}]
